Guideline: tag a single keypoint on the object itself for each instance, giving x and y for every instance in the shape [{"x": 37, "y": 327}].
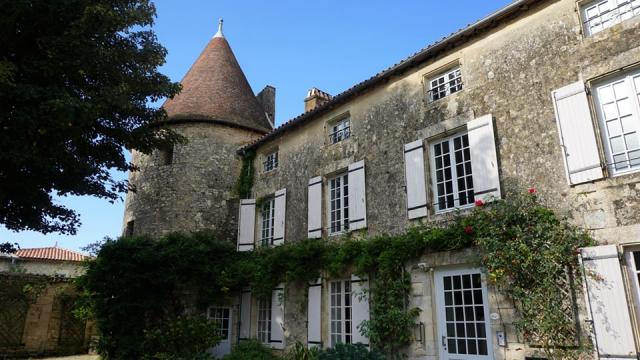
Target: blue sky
[{"x": 292, "y": 45}]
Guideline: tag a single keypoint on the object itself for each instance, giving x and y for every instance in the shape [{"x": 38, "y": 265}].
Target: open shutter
[
  {"x": 484, "y": 161},
  {"x": 279, "y": 217},
  {"x": 360, "y": 308},
  {"x": 245, "y": 315},
  {"x": 276, "y": 338},
  {"x": 246, "y": 224},
  {"x": 357, "y": 197},
  {"x": 608, "y": 303},
  {"x": 314, "y": 208},
  {"x": 415, "y": 179},
  {"x": 314, "y": 312},
  {"x": 577, "y": 136}
]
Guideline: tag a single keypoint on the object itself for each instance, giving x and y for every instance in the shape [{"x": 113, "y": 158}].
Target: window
[
  {"x": 129, "y": 229},
  {"x": 267, "y": 216},
  {"x": 340, "y": 304},
  {"x": 601, "y": 14},
  {"x": 220, "y": 315},
  {"x": 340, "y": 131},
  {"x": 271, "y": 161},
  {"x": 619, "y": 114},
  {"x": 264, "y": 320},
  {"x": 445, "y": 84},
  {"x": 338, "y": 204},
  {"x": 166, "y": 155},
  {"x": 451, "y": 172}
]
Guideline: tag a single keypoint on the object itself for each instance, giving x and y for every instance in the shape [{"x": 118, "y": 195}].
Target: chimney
[
  {"x": 267, "y": 98},
  {"x": 315, "y": 97}
]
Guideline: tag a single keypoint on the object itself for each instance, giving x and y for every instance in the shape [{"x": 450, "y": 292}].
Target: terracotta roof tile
[{"x": 51, "y": 253}]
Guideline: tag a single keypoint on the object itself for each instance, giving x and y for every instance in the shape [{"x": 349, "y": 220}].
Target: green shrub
[
  {"x": 349, "y": 352},
  {"x": 185, "y": 338},
  {"x": 299, "y": 351},
  {"x": 250, "y": 349}
]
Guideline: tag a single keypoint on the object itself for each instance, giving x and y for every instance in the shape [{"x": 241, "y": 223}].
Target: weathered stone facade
[{"x": 510, "y": 65}]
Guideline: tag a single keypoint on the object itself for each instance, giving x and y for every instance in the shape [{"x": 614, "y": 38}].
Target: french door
[
  {"x": 462, "y": 308},
  {"x": 222, "y": 317}
]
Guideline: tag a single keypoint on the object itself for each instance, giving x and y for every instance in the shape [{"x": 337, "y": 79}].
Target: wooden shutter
[
  {"x": 608, "y": 303},
  {"x": 246, "y": 224},
  {"x": 577, "y": 136},
  {"x": 484, "y": 161},
  {"x": 314, "y": 314},
  {"x": 314, "y": 208},
  {"x": 357, "y": 197},
  {"x": 245, "y": 315},
  {"x": 415, "y": 179},
  {"x": 280, "y": 204},
  {"x": 360, "y": 308},
  {"x": 276, "y": 338}
]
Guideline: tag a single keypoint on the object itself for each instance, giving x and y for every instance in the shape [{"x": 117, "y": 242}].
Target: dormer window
[
  {"x": 445, "y": 84},
  {"x": 271, "y": 161},
  {"x": 340, "y": 130},
  {"x": 601, "y": 14}
]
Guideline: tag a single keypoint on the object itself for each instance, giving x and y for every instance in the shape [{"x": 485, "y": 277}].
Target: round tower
[{"x": 190, "y": 187}]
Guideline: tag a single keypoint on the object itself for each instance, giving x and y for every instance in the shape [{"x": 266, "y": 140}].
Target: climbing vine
[
  {"x": 244, "y": 184},
  {"x": 527, "y": 250}
]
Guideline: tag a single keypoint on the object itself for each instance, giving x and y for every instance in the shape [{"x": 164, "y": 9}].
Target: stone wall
[
  {"x": 509, "y": 73},
  {"x": 194, "y": 192}
]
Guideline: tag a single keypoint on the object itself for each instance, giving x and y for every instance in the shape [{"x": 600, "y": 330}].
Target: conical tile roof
[{"x": 216, "y": 89}]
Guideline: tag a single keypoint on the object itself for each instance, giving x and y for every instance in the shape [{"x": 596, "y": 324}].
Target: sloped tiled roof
[
  {"x": 50, "y": 253},
  {"x": 417, "y": 58},
  {"x": 215, "y": 89}
]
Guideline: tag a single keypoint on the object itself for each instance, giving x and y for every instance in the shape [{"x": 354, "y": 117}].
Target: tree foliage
[{"x": 76, "y": 78}]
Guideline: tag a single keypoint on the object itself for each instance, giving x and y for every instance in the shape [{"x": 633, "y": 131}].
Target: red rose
[
  {"x": 532, "y": 190},
  {"x": 479, "y": 202},
  {"x": 468, "y": 229}
]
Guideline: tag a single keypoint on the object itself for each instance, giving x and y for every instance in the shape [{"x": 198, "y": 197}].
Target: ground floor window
[
  {"x": 340, "y": 304},
  {"x": 221, "y": 316},
  {"x": 264, "y": 320}
]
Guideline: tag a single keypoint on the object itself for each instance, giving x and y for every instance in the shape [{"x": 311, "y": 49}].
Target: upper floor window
[
  {"x": 618, "y": 105},
  {"x": 452, "y": 178},
  {"x": 340, "y": 130},
  {"x": 166, "y": 155},
  {"x": 267, "y": 217},
  {"x": 271, "y": 161},
  {"x": 445, "y": 84},
  {"x": 601, "y": 14},
  {"x": 338, "y": 198}
]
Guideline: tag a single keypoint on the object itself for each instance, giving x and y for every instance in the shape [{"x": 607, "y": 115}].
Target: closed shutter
[
  {"x": 608, "y": 303},
  {"x": 484, "y": 161},
  {"x": 246, "y": 224},
  {"x": 577, "y": 136},
  {"x": 314, "y": 208},
  {"x": 276, "y": 338},
  {"x": 357, "y": 197},
  {"x": 245, "y": 315},
  {"x": 360, "y": 308},
  {"x": 415, "y": 179},
  {"x": 279, "y": 216},
  {"x": 314, "y": 312}
]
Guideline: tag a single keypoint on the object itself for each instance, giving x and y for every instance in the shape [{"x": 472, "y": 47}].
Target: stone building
[{"x": 542, "y": 93}]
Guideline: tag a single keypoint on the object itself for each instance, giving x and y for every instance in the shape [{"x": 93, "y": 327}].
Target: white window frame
[
  {"x": 340, "y": 130},
  {"x": 445, "y": 84},
  {"x": 267, "y": 221},
  {"x": 450, "y": 141},
  {"x": 599, "y": 15},
  {"x": 263, "y": 324},
  {"x": 340, "y": 312},
  {"x": 219, "y": 315},
  {"x": 338, "y": 204},
  {"x": 270, "y": 161},
  {"x": 631, "y": 83}
]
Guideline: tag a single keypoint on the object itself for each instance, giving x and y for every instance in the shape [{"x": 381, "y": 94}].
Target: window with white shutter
[
  {"x": 245, "y": 314},
  {"x": 280, "y": 203},
  {"x": 607, "y": 300},
  {"x": 451, "y": 172},
  {"x": 314, "y": 314},
  {"x": 246, "y": 224},
  {"x": 357, "y": 196},
  {"x": 416, "y": 189},
  {"x": 360, "y": 301},
  {"x": 577, "y": 137},
  {"x": 276, "y": 338},
  {"x": 484, "y": 159},
  {"x": 314, "y": 208}
]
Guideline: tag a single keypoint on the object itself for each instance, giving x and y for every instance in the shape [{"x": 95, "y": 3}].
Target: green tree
[{"x": 76, "y": 80}]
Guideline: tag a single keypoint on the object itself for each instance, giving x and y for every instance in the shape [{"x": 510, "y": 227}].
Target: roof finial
[{"x": 219, "y": 33}]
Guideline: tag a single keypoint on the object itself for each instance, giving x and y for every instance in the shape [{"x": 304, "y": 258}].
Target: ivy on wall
[
  {"x": 136, "y": 283},
  {"x": 244, "y": 184}
]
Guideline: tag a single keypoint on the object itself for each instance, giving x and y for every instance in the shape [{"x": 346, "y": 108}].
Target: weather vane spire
[{"x": 219, "y": 33}]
